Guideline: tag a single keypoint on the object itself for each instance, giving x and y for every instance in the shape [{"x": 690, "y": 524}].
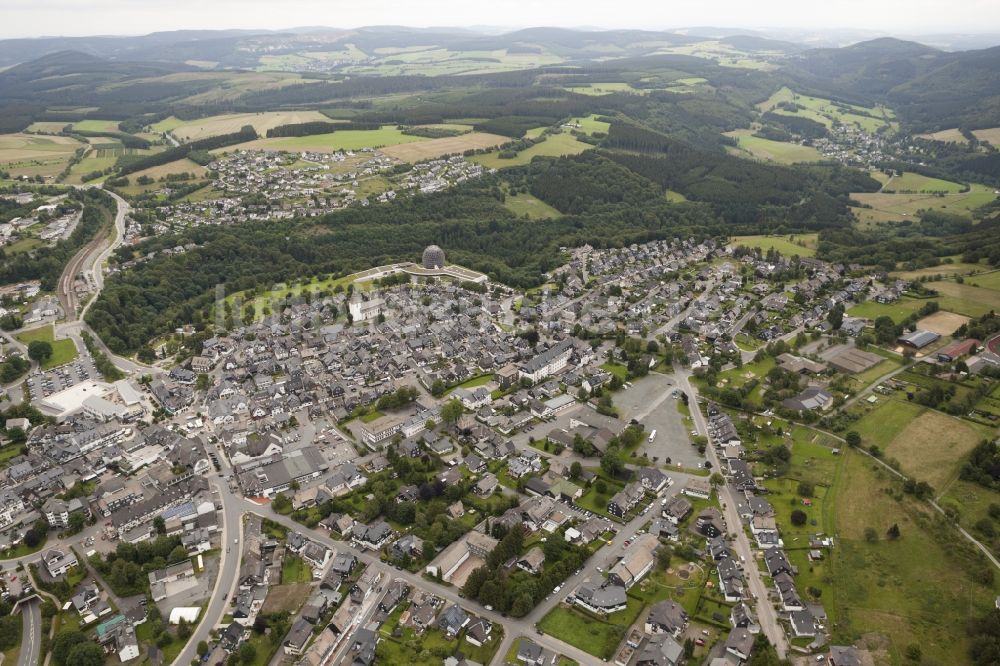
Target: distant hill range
[{"x": 929, "y": 88}]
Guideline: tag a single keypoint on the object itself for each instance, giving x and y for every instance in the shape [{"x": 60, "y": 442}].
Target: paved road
[
  {"x": 226, "y": 581},
  {"x": 766, "y": 615},
  {"x": 31, "y": 638}
]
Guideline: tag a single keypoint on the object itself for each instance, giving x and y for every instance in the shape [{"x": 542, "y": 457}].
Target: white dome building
[{"x": 433, "y": 257}]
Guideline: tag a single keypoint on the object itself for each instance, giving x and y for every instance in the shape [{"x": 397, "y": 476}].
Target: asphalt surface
[{"x": 31, "y": 637}]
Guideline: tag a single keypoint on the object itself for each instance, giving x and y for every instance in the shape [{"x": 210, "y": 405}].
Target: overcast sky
[{"x": 33, "y": 18}]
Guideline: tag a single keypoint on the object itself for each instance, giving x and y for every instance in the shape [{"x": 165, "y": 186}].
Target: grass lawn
[
  {"x": 481, "y": 380},
  {"x": 63, "y": 351},
  {"x": 595, "y": 636},
  {"x": 554, "y": 145},
  {"x": 899, "y": 310},
  {"x": 737, "y": 377},
  {"x": 8, "y": 452},
  {"x": 946, "y": 270},
  {"x": 914, "y": 182},
  {"x": 294, "y": 570},
  {"x": 887, "y": 206},
  {"x": 525, "y": 204},
  {"x": 781, "y": 152},
  {"x": 618, "y": 370},
  {"x": 803, "y": 245},
  {"x": 916, "y": 589},
  {"x": 596, "y": 502}
]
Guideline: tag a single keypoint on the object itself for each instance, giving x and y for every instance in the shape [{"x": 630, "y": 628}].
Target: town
[{"x": 427, "y": 466}]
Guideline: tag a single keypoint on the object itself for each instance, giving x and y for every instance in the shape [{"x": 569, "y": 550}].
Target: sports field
[
  {"x": 425, "y": 150},
  {"x": 803, "y": 245},
  {"x": 330, "y": 143},
  {"x": 554, "y": 145},
  {"x": 914, "y": 182},
  {"x": 942, "y": 322},
  {"x": 898, "y": 311},
  {"x": 226, "y": 124},
  {"x": 773, "y": 151}
]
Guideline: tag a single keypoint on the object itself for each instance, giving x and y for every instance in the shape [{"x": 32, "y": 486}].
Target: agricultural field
[
  {"x": 330, "y": 143},
  {"x": 889, "y": 207},
  {"x": 226, "y": 124},
  {"x": 30, "y": 155},
  {"x": 946, "y": 136},
  {"x": 948, "y": 270},
  {"x": 555, "y": 145},
  {"x": 803, "y": 245},
  {"x": 225, "y": 86},
  {"x": 989, "y": 280},
  {"x": 93, "y": 125},
  {"x": 883, "y": 423},
  {"x": 161, "y": 171},
  {"x": 966, "y": 299},
  {"x": 590, "y": 124},
  {"x": 916, "y": 589},
  {"x": 435, "y": 61},
  {"x": 432, "y": 148},
  {"x": 992, "y": 135},
  {"x": 914, "y": 182},
  {"x": 827, "y": 112},
  {"x": 63, "y": 351},
  {"x": 525, "y": 204},
  {"x": 598, "y": 89},
  {"x": 772, "y": 151},
  {"x": 933, "y": 446},
  {"x": 45, "y": 127}
]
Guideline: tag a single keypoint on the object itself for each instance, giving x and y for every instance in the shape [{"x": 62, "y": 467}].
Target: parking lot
[
  {"x": 650, "y": 400},
  {"x": 44, "y": 384}
]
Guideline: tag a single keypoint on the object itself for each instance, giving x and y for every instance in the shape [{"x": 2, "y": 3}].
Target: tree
[
  {"x": 663, "y": 557},
  {"x": 913, "y": 652},
  {"x": 202, "y": 648},
  {"x": 893, "y": 532},
  {"x": 76, "y": 521},
  {"x": 871, "y": 536},
  {"x": 247, "y": 653},
  {"x": 611, "y": 461},
  {"x": 159, "y": 525},
  {"x": 63, "y": 643},
  {"x": 39, "y": 350},
  {"x": 806, "y": 489},
  {"x": 575, "y": 470},
  {"x": 601, "y": 487},
  {"x": 716, "y": 479},
  {"x": 87, "y": 653},
  {"x": 452, "y": 411},
  {"x": 799, "y": 517},
  {"x": 853, "y": 438}
]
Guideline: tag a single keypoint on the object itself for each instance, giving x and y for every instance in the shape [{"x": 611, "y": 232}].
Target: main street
[{"x": 766, "y": 615}]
